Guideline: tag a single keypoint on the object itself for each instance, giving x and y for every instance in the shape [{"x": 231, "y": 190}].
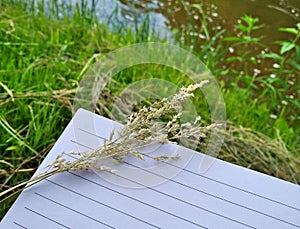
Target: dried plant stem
[{"x": 142, "y": 128}]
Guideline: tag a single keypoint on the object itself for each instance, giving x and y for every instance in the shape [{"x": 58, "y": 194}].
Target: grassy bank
[{"x": 41, "y": 62}]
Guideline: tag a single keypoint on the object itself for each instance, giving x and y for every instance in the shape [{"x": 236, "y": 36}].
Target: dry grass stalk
[
  {"x": 141, "y": 129},
  {"x": 259, "y": 152}
]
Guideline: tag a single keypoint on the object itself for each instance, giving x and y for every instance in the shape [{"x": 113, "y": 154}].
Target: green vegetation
[{"x": 43, "y": 55}]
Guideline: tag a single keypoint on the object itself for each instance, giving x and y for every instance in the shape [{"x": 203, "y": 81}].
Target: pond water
[
  {"x": 170, "y": 14},
  {"x": 166, "y": 15}
]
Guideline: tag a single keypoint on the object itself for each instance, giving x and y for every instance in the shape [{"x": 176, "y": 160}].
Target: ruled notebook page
[{"x": 226, "y": 196}]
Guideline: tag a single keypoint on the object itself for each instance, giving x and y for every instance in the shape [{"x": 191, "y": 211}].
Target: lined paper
[{"x": 171, "y": 194}]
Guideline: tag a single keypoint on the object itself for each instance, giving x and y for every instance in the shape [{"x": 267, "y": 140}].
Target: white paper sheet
[{"x": 171, "y": 194}]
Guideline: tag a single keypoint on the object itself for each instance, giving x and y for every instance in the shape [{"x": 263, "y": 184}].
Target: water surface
[{"x": 224, "y": 13}]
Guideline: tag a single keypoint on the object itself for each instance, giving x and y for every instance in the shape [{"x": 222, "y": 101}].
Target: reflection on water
[
  {"x": 222, "y": 13},
  {"x": 166, "y": 15}
]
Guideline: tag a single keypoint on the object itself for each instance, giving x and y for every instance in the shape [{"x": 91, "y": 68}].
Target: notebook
[{"x": 147, "y": 194}]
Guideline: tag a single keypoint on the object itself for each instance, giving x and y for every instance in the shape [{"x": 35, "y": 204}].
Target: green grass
[{"x": 41, "y": 60}]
